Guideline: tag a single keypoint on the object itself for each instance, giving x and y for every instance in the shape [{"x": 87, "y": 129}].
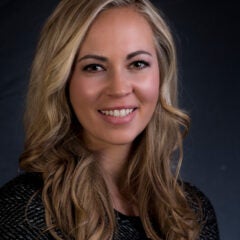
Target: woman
[{"x": 103, "y": 132}]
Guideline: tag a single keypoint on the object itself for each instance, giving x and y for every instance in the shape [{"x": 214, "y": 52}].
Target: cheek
[
  {"x": 81, "y": 92},
  {"x": 82, "y": 99},
  {"x": 150, "y": 88}
]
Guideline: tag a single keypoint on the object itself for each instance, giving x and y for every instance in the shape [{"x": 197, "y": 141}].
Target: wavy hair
[{"x": 74, "y": 193}]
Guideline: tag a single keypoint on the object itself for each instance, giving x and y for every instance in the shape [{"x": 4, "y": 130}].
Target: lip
[
  {"x": 118, "y": 120},
  {"x": 118, "y": 108}
]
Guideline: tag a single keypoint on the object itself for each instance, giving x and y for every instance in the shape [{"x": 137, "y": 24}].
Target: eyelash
[
  {"x": 143, "y": 64},
  {"x": 92, "y": 68}
]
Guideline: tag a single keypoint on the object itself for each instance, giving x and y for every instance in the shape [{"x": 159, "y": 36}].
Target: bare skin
[{"x": 112, "y": 166}]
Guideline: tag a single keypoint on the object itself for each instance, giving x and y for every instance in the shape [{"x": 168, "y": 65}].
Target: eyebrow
[
  {"x": 97, "y": 57},
  {"x": 131, "y": 55},
  {"x": 104, "y": 59}
]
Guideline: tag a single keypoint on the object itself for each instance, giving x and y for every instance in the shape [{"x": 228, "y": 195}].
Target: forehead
[{"x": 119, "y": 28}]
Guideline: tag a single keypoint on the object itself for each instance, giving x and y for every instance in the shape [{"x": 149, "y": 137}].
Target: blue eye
[
  {"x": 139, "y": 65},
  {"x": 93, "y": 68}
]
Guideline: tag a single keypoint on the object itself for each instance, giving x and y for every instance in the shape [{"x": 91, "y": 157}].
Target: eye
[
  {"x": 92, "y": 68},
  {"x": 140, "y": 64}
]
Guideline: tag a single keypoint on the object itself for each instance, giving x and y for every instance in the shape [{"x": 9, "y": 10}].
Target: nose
[{"x": 119, "y": 84}]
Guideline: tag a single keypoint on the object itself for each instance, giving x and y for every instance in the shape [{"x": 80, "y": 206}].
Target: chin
[{"x": 119, "y": 139}]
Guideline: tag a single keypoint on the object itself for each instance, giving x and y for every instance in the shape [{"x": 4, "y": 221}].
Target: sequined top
[{"x": 23, "y": 219}]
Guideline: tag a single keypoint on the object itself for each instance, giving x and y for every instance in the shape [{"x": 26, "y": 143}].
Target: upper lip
[{"x": 118, "y": 108}]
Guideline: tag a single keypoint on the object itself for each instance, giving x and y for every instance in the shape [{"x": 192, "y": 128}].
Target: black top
[{"x": 21, "y": 218}]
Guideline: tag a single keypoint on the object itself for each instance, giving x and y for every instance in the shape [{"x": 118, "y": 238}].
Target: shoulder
[
  {"x": 25, "y": 181},
  {"x": 15, "y": 194},
  {"x": 202, "y": 206},
  {"x": 21, "y": 208}
]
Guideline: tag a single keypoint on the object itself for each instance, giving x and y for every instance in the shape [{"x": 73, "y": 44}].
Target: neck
[{"x": 112, "y": 163}]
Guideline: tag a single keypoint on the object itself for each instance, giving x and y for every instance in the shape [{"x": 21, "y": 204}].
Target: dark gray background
[{"x": 208, "y": 40}]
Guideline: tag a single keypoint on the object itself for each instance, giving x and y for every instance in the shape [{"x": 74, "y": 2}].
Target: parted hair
[{"x": 74, "y": 193}]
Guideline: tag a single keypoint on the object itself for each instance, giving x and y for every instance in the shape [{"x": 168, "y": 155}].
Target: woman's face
[{"x": 115, "y": 83}]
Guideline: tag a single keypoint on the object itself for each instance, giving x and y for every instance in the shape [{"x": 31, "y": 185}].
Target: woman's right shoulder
[
  {"x": 17, "y": 193},
  {"x": 21, "y": 188},
  {"x": 21, "y": 208}
]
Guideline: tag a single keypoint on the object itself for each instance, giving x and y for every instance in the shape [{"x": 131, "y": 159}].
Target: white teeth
[{"x": 117, "y": 113}]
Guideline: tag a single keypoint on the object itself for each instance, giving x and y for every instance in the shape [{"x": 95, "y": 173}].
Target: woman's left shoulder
[{"x": 204, "y": 209}]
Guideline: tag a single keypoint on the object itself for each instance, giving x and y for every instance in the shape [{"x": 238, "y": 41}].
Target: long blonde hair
[{"x": 74, "y": 193}]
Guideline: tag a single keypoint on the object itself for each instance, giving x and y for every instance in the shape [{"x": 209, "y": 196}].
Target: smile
[{"x": 117, "y": 112}]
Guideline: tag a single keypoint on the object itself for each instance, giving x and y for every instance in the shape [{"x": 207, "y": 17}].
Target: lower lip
[{"x": 119, "y": 120}]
